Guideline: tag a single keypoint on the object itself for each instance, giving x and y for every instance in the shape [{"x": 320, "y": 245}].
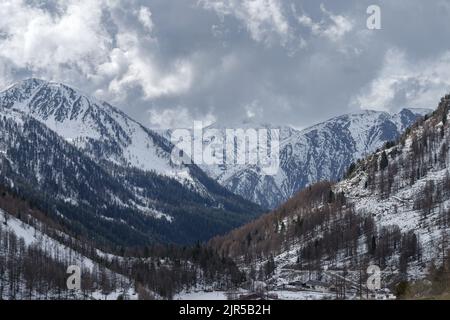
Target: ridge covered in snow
[
  {"x": 73, "y": 154},
  {"x": 321, "y": 152},
  {"x": 94, "y": 126}
]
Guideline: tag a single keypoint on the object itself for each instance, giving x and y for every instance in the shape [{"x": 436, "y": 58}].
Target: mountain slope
[
  {"x": 108, "y": 202},
  {"x": 392, "y": 210},
  {"x": 95, "y": 127},
  {"x": 321, "y": 152},
  {"x": 36, "y": 251},
  {"x": 34, "y": 266}
]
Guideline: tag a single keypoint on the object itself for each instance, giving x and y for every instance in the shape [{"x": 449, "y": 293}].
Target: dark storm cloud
[{"x": 286, "y": 62}]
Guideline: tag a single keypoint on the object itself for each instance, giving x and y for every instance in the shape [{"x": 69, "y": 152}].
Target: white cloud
[
  {"x": 403, "y": 83},
  {"x": 254, "y": 110},
  {"x": 177, "y": 118},
  {"x": 38, "y": 40},
  {"x": 333, "y": 27},
  {"x": 264, "y": 19},
  {"x": 74, "y": 44},
  {"x": 137, "y": 53},
  {"x": 130, "y": 65},
  {"x": 145, "y": 17}
]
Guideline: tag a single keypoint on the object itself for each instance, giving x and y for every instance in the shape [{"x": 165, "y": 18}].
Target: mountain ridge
[
  {"x": 391, "y": 211},
  {"x": 78, "y": 186},
  {"x": 320, "y": 152}
]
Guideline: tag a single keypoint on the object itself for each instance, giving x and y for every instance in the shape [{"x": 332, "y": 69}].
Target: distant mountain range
[{"x": 321, "y": 152}]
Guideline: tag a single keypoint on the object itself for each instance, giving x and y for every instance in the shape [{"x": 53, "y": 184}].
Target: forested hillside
[
  {"x": 109, "y": 203},
  {"x": 35, "y": 252},
  {"x": 392, "y": 210}
]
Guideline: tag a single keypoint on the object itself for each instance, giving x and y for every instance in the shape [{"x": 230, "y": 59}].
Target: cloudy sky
[{"x": 293, "y": 62}]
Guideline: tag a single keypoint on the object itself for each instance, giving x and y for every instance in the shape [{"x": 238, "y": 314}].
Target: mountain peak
[
  {"x": 30, "y": 82},
  {"x": 30, "y": 85},
  {"x": 27, "y": 88},
  {"x": 37, "y": 82},
  {"x": 94, "y": 126},
  {"x": 321, "y": 152},
  {"x": 417, "y": 111}
]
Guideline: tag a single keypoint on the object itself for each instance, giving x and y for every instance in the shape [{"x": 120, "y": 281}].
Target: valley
[{"x": 77, "y": 190}]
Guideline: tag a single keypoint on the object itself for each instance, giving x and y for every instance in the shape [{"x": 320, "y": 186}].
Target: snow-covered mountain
[
  {"x": 391, "y": 211},
  {"x": 73, "y": 155},
  {"x": 97, "y": 128},
  {"x": 321, "y": 152}
]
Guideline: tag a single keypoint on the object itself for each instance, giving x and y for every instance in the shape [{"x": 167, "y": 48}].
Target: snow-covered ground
[
  {"x": 280, "y": 294},
  {"x": 302, "y": 295},
  {"x": 60, "y": 252},
  {"x": 398, "y": 208},
  {"x": 201, "y": 295}
]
